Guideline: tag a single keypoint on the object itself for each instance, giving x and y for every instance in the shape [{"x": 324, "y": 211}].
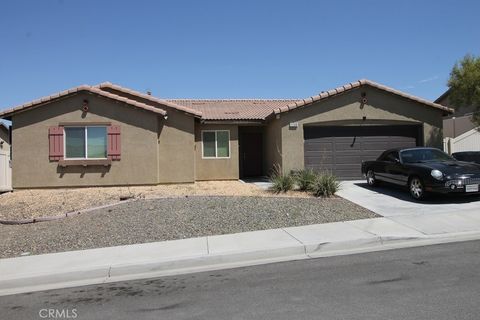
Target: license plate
[{"x": 471, "y": 188}]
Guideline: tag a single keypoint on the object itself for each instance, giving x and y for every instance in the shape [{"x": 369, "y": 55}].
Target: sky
[{"x": 231, "y": 49}]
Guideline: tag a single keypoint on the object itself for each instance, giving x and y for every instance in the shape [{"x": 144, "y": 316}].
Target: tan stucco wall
[
  {"x": 4, "y": 137},
  {"x": 345, "y": 109},
  {"x": 272, "y": 146},
  {"x": 176, "y": 148},
  {"x": 216, "y": 169},
  {"x": 141, "y": 145}
]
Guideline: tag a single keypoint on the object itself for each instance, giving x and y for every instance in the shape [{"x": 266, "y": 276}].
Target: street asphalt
[{"x": 433, "y": 282}]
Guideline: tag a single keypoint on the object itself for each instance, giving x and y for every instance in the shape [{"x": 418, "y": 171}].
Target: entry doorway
[{"x": 251, "y": 151}]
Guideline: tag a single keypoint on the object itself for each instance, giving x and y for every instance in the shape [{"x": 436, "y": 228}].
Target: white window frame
[
  {"x": 86, "y": 142},
  {"x": 216, "y": 146}
]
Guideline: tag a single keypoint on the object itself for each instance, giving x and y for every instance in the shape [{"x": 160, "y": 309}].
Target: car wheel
[
  {"x": 417, "y": 190},
  {"x": 371, "y": 181}
]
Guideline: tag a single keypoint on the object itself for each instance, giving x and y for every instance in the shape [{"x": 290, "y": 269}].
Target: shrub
[
  {"x": 280, "y": 182},
  {"x": 326, "y": 185},
  {"x": 304, "y": 179}
]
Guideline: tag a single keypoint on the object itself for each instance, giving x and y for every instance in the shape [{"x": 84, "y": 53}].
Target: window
[
  {"x": 216, "y": 144},
  {"x": 424, "y": 155},
  {"x": 85, "y": 142},
  {"x": 392, "y": 157}
]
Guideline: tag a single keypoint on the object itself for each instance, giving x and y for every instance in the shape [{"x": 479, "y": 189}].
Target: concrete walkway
[{"x": 76, "y": 268}]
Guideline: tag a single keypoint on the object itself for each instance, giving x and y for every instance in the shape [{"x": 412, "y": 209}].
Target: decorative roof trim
[
  {"x": 350, "y": 86},
  {"x": 87, "y": 88},
  {"x": 150, "y": 98}
]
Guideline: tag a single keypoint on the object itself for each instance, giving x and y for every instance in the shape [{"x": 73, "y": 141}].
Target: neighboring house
[
  {"x": 5, "y": 169},
  {"x": 459, "y": 131},
  {"x": 4, "y": 137},
  {"x": 108, "y": 135}
]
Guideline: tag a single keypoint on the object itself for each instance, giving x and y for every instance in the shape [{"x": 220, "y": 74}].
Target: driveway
[{"x": 391, "y": 201}]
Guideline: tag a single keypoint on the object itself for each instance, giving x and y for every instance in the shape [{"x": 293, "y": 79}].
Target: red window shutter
[
  {"x": 55, "y": 138},
  {"x": 113, "y": 143}
]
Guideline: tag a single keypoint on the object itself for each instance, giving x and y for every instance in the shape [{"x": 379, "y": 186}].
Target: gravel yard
[
  {"x": 27, "y": 204},
  {"x": 148, "y": 220}
]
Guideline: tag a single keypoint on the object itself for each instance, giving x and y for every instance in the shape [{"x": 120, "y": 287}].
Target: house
[
  {"x": 4, "y": 137},
  {"x": 5, "y": 170},
  {"x": 108, "y": 135},
  {"x": 459, "y": 131}
]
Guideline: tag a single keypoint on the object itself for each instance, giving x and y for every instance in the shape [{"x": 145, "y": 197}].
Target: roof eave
[{"x": 232, "y": 121}]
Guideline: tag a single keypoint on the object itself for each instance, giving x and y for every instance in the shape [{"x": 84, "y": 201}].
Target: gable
[
  {"x": 8, "y": 113},
  {"x": 365, "y": 105},
  {"x": 356, "y": 85}
]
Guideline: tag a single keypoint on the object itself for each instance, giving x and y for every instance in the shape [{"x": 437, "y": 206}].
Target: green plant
[
  {"x": 325, "y": 184},
  {"x": 281, "y": 182},
  {"x": 464, "y": 85},
  {"x": 304, "y": 179}
]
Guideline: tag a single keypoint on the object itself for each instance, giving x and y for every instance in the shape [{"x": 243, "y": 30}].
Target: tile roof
[
  {"x": 87, "y": 88},
  {"x": 233, "y": 109},
  {"x": 166, "y": 103},
  {"x": 221, "y": 109},
  {"x": 353, "y": 85}
]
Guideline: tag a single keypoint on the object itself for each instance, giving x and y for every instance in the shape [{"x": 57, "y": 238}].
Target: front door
[{"x": 251, "y": 153}]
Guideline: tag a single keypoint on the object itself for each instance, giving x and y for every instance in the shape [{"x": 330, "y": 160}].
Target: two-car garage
[{"x": 341, "y": 149}]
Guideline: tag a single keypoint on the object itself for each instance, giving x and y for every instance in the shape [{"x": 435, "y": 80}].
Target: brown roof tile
[
  {"x": 35, "y": 103},
  {"x": 223, "y": 109},
  {"x": 233, "y": 109}
]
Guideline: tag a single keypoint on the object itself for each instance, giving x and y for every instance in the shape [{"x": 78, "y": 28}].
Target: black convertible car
[{"x": 423, "y": 170}]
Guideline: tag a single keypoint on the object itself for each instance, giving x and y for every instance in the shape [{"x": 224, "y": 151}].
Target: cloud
[
  {"x": 407, "y": 87},
  {"x": 428, "y": 79}
]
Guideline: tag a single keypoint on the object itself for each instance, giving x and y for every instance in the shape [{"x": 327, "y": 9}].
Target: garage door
[{"x": 341, "y": 149}]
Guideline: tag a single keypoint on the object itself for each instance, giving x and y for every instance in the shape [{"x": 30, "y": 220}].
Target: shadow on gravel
[{"x": 432, "y": 199}]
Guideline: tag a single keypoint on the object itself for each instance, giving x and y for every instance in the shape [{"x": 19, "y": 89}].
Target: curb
[{"x": 107, "y": 273}]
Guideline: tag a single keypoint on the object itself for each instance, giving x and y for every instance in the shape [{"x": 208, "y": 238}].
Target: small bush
[
  {"x": 280, "y": 182},
  {"x": 326, "y": 185},
  {"x": 305, "y": 179}
]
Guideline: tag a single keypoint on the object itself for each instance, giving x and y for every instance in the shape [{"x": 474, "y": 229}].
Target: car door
[
  {"x": 381, "y": 167},
  {"x": 395, "y": 169}
]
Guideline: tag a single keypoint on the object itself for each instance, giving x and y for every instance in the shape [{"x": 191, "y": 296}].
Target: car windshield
[{"x": 424, "y": 155}]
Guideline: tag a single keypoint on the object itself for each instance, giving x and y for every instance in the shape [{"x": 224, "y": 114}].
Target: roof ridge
[
  {"x": 239, "y": 99},
  {"x": 148, "y": 97}
]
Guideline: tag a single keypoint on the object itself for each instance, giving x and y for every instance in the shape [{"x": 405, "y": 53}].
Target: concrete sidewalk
[{"x": 76, "y": 268}]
